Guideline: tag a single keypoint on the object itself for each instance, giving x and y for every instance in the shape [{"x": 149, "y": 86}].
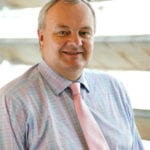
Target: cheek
[
  {"x": 55, "y": 43},
  {"x": 89, "y": 47},
  {"x": 51, "y": 45}
]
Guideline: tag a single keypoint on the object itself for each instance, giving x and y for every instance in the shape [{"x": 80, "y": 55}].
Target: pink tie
[{"x": 92, "y": 133}]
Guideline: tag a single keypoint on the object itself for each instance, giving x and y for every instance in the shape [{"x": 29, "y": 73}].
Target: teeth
[{"x": 72, "y": 52}]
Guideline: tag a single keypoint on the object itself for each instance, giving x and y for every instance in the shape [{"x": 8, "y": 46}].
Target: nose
[{"x": 76, "y": 39}]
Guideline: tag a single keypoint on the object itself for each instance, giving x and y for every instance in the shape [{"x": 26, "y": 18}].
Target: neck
[{"x": 72, "y": 75}]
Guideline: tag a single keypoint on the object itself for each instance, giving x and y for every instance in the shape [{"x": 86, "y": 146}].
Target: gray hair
[{"x": 47, "y": 6}]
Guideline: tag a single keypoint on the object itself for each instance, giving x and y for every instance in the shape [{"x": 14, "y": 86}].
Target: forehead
[
  {"x": 63, "y": 5},
  {"x": 70, "y": 13}
]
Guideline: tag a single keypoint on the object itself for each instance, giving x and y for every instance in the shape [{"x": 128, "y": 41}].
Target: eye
[
  {"x": 85, "y": 34},
  {"x": 63, "y": 33}
]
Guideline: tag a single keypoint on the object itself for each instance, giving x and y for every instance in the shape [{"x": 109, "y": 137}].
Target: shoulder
[
  {"x": 104, "y": 81},
  {"x": 21, "y": 82},
  {"x": 100, "y": 76}
]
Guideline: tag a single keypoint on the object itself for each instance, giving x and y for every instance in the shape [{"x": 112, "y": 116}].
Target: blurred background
[{"x": 122, "y": 47}]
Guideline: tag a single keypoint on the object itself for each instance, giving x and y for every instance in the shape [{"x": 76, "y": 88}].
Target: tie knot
[{"x": 75, "y": 87}]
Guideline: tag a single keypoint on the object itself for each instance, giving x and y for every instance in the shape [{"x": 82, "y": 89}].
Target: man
[{"x": 37, "y": 110}]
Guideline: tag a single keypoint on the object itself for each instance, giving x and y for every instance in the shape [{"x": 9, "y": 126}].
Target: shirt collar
[
  {"x": 58, "y": 83},
  {"x": 83, "y": 81}
]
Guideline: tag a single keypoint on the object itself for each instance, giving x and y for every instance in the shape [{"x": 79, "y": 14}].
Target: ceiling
[
  {"x": 22, "y": 3},
  {"x": 25, "y": 3},
  {"x": 110, "y": 53}
]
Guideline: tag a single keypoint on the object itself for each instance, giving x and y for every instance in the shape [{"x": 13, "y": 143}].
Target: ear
[{"x": 41, "y": 38}]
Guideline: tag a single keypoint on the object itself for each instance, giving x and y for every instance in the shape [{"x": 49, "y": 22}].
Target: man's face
[{"x": 67, "y": 39}]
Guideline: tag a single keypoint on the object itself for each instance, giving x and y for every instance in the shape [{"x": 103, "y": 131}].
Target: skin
[{"x": 66, "y": 42}]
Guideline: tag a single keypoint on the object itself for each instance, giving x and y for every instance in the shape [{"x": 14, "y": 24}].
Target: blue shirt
[{"x": 37, "y": 112}]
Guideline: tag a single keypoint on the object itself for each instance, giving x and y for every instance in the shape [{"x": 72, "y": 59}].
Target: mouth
[{"x": 72, "y": 53}]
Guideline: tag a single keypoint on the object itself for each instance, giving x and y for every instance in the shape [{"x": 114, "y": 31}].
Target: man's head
[{"x": 66, "y": 29}]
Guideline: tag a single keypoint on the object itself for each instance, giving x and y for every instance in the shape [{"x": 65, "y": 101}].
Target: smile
[{"x": 72, "y": 53}]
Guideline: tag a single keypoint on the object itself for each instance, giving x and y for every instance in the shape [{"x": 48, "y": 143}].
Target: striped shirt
[{"x": 37, "y": 112}]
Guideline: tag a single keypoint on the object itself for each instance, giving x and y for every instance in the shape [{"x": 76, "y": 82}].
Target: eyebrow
[
  {"x": 62, "y": 26},
  {"x": 67, "y": 27}
]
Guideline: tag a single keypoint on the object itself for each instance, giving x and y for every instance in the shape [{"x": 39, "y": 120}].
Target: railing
[{"x": 142, "y": 118}]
